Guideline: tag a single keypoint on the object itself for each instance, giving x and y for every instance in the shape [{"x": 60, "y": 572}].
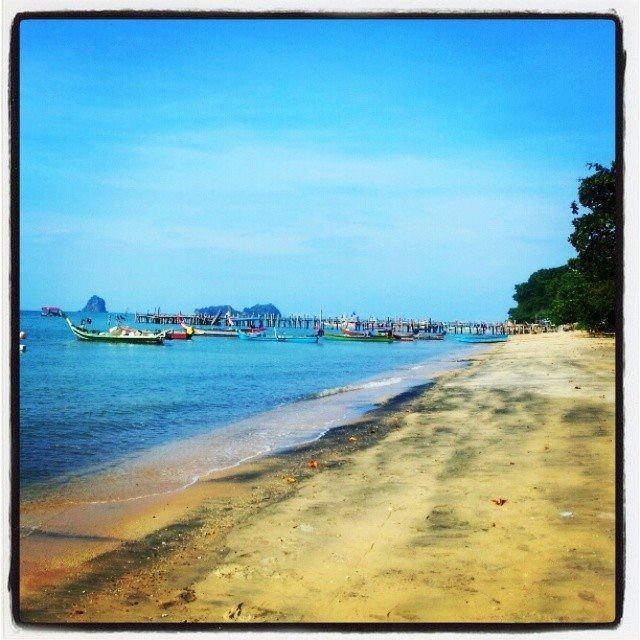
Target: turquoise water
[{"x": 154, "y": 418}]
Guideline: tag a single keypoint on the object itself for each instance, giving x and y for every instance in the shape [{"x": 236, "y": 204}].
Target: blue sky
[{"x": 391, "y": 167}]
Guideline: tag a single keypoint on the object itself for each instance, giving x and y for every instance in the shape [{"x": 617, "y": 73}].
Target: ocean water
[{"x": 107, "y": 422}]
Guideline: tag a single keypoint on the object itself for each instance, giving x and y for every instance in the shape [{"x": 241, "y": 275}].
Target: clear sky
[{"x": 388, "y": 167}]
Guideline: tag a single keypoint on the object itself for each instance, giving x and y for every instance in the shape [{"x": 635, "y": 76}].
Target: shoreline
[
  {"x": 91, "y": 529},
  {"x": 167, "y": 467},
  {"x": 58, "y": 535},
  {"x": 400, "y": 453}
]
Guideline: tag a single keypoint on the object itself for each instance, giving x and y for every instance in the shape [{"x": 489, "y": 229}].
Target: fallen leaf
[
  {"x": 353, "y": 439},
  {"x": 312, "y": 464},
  {"x": 498, "y": 501},
  {"x": 290, "y": 479}
]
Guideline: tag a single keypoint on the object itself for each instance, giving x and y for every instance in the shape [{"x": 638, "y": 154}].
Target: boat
[
  {"x": 352, "y": 333},
  {"x": 430, "y": 336},
  {"x": 50, "y": 311},
  {"x": 351, "y": 336},
  {"x": 263, "y": 336},
  {"x": 403, "y": 336},
  {"x": 218, "y": 332},
  {"x": 482, "y": 338},
  {"x": 122, "y": 334},
  {"x": 178, "y": 335},
  {"x": 243, "y": 335}
]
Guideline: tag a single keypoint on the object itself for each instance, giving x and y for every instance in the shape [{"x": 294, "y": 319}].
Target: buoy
[
  {"x": 23, "y": 335},
  {"x": 23, "y": 347}
]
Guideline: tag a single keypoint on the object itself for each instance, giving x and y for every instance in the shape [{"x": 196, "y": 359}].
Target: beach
[{"x": 487, "y": 497}]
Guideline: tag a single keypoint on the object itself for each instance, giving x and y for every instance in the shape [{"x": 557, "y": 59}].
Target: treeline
[{"x": 584, "y": 290}]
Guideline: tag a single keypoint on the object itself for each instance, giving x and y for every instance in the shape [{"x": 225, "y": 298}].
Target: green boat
[
  {"x": 358, "y": 338},
  {"x": 125, "y": 335}
]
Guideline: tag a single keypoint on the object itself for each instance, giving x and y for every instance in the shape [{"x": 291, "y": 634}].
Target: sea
[{"x": 113, "y": 422}]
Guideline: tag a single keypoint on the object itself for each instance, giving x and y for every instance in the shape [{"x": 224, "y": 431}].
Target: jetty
[{"x": 309, "y": 322}]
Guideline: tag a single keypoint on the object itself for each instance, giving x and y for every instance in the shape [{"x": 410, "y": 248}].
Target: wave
[{"x": 373, "y": 384}]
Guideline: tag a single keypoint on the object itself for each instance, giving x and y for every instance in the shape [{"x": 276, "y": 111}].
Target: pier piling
[{"x": 305, "y": 322}]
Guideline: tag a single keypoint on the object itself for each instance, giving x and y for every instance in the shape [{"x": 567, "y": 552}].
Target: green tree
[
  {"x": 594, "y": 234},
  {"x": 535, "y": 296},
  {"x": 588, "y": 303},
  {"x": 592, "y": 287},
  {"x": 584, "y": 290}
]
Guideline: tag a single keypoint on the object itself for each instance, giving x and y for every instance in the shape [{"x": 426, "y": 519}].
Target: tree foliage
[
  {"x": 535, "y": 296},
  {"x": 591, "y": 304},
  {"x": 584, "y": 290},
  {"x": 594, "y": 234}
]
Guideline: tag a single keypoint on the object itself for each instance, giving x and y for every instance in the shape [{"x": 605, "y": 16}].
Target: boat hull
[
  {"x": 212, "y": 333},
  {"x": 264, "y": 337},
  {"x": 177, "y": 335},
  {"x": 359, "y": 338},
  {"x": 482, "y": 339}
]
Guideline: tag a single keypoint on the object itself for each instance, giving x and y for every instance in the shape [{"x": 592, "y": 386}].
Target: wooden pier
[{"x": 309, "y": 322}]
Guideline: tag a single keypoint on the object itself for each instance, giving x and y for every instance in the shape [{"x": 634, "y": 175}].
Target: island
[
  {"x": 95, "y": 305},
  {"x": 256, "y": 310}
]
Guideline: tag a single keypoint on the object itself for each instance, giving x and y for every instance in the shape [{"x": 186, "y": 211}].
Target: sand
[{"x": 489, "y": 497}]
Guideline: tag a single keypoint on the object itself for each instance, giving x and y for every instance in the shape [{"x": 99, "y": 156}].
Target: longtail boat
[
  {"x": 359, "y": 337},
  {"x": 122, "y": 334},
  {"x": 263, "y": 336},
  {"x": 483, "y": 338},
  {"x": 219, "y": 332},
  {"x": 403, "y": 337},
  {"x": 430, "y": 336}
]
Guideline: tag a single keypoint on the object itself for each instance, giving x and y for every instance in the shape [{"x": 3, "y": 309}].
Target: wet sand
[{"x": 489, "y": 497}]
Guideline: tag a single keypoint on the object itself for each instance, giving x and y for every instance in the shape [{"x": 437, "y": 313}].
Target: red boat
[
  {"x": 50, "y": 311},
  {"x": 178, "y": 335}
]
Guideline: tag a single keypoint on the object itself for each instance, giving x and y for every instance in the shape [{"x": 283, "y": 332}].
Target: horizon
[
  {"x": 416, "y": 166},
  {"x": 284, "y": 314}
]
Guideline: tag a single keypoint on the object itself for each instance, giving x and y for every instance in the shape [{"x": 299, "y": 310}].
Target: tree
[
  {"x": 584, "y": 290},
  {"x": 591, "y": 304},
  {"x": 592, "y": 288},
  {"x": 594, "y": 234},
  {"x": 535, "y": 297}
]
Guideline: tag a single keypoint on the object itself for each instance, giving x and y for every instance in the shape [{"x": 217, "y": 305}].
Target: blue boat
[
  {"x": 482, "y": 338},
  {"x": 276, "y": 337}
]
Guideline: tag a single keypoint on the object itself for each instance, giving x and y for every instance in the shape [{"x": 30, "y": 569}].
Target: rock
[
  {"x": 95, "y": 305},
  {"x": 188, "y": 595},
  {"x": 234, "y": 614}
]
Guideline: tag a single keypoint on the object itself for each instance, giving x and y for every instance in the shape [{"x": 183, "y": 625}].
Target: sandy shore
[{"x": 489, "y": 497}]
